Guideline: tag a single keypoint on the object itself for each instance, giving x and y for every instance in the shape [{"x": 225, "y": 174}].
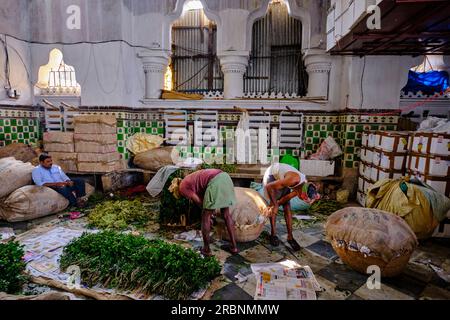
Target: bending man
[
  {"x": 211, "y": 190},
  {"x": 281, "y": 184}
]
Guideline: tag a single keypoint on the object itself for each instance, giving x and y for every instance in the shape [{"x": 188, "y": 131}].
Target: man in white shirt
[
  {"x": 50, "y": 175},
  {"x": 282, "y": 183}
]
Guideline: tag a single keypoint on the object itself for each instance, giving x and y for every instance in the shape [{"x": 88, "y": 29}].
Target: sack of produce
[
  {"x": 13, "y": 175},
  {"x": 95, "y": 124},
  {"x": 405, "y": 200},
  {"x": 155, "y": 159},
  {"x": 247, "y": 216},
  {"x": 32, "y": 202},
  {"x": 364, "y": 237},
  {"x": 142, "y": 142},
  {"x": 19, "y": 151}
]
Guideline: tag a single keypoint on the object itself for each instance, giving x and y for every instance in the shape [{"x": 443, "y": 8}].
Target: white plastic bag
[{"x": 328, "y": 150}]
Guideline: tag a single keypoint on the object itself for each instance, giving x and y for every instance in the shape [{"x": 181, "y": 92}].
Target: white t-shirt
[{"x": 279, "y": 170}]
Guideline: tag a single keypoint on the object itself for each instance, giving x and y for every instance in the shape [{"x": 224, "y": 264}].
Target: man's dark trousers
[{"x": 79, "y": 188}]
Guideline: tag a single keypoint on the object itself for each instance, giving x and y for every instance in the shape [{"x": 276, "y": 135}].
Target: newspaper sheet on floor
[
  {"x": 43, "y": 251},
  {"x": 285, "y": 280}
]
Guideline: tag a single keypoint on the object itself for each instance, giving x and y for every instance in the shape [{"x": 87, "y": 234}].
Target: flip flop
[
  {"x": 294, "y": 245},
  {"x": 206, "y": 254},
  {"x": 228, "y": 249},
  {"x": 274, "y": 241}
]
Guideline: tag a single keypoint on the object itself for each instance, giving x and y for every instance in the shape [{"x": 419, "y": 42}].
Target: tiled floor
[{"x": 337, "y": 280}]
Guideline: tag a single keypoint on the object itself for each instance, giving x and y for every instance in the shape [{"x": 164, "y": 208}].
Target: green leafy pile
[
  {"x": 325, "y": 207},
  {"x": 12, "y": 267},
  {"x": 171, "y": 208},
  {"x": 228, "y": 168},
  {"x": 134, "y": 263},
  {"x": 118, "y": 215}
]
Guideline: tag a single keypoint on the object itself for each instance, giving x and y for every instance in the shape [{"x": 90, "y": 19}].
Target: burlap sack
[
  {"x": 94, "y": 147},
  {"x": 58, "y": 137},
  {"x": 98, "y": 157},
  {"x": 95, "y": 124},
  {"x": 247, "y": 216},
  {"x": 100, "y": 167},
  {"x": 156, "y": 159},
  {"x": 32, "y": 202},
  {"x": 67, "y": 161},
  {"x": 13, "y": 175},
  {"x": 59, "y": 147},
  {"x": 363, "y": 237},
  {"x": 19, "y": 151},
  {"x": 98, "y": 138}
]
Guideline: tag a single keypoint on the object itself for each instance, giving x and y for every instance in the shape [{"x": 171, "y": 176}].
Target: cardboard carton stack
[
  {"x": 60, "y": 145},
  {"x": 96, "y": 143}
]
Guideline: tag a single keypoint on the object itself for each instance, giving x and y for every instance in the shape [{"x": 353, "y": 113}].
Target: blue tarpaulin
[{"x": 427, "y": 82}]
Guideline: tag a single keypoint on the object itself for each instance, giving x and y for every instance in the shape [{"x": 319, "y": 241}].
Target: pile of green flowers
[
  {"x": 12, "y": 267},
  {"x": 134, "y": 263},
  {"x": 118, "y": 215}
]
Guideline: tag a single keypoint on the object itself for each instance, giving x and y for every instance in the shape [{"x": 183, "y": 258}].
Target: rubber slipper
[
  {"x": 228, "y": 249},
  {"x": 206, "y": 254},
  {"x": 294, "y": 245},
  {"x": 274, "y": 241}
]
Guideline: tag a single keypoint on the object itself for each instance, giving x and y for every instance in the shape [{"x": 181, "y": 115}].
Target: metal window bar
[
  {"x": 176, "y": 127},
  {"x": 206, "y": 128},
  {"x": 291, "y": 130}
]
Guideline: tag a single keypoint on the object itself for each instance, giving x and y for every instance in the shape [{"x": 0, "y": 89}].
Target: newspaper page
[{"x": 285, "y": 281}]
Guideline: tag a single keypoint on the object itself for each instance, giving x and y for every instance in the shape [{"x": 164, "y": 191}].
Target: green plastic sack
[{"x": 290, "y": 160}]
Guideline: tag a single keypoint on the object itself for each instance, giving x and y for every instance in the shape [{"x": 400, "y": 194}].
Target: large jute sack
[
  {"x": 59, "y": 147},
  {"x": 157, "y": 158},
  {"x": 363, "y": 237},
  {"x": 94, "y": 147},
  {"x": 13, "y": 175},
  {"x": 247, "y": 216},
  {"x": 19, "y": 151},
  {"x": 67, "y": 161},
  {"x": 142, "y": 142},
  {"x": 98, "y": 138},
  {"x": 413, "y": 206},
  {"x": 58, "y": 137},
  {"x": 95, "y": 124},
  {"x": 100, "y": 167},
  {"x": 32, "y": 202},
  {"x": 98, "y": 157}
]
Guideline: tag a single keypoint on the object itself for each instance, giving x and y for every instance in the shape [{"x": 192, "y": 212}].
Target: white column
[
  {"x": 155, "y": 65},
  {"x": 318, "y": 66},
  {"x": 234, "y": 65}
]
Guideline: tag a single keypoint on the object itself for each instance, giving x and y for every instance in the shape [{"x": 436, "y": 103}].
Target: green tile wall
[{"x": 19, "y": 130}]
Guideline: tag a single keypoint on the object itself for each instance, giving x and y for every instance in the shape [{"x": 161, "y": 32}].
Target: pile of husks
[
  {"x": 118, "y": 215},
  {"x": 134, "y": 263},
  {"x": 12, "y": 267}
]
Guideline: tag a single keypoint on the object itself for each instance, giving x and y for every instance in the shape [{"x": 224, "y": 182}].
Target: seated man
[
  {"x": 50, "y": 175},
  {"x": 210, "y": 189},
  {"x": 281, "y": 184}
]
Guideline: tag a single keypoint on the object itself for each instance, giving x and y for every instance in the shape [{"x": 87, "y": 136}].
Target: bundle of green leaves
[
  {"x": 12, "y": 267},
  {"x": 134, "y": 263},
  {"x": 228, "y": 168},
  {"x": 171, "y": 208},
  {"x": 118, "y": 215}
]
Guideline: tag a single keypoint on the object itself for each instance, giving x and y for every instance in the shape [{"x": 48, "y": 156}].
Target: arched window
[
  {"x": 194, "y": 62},
  {"x": 430, "y": 77},
  {"x": 276, "y": 62},
  {"x": 56, "y": 77}
]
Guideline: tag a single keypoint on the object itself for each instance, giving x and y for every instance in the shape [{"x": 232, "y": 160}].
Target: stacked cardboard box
[
  {"x": 383, "y": 156},
  {"x": 96, "y": 143},
  {"x": 60, "y": 145}
]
